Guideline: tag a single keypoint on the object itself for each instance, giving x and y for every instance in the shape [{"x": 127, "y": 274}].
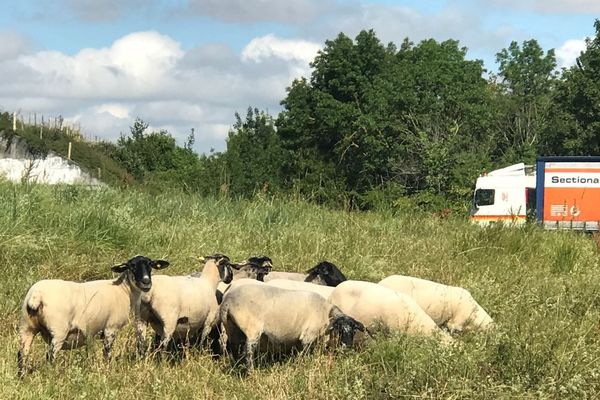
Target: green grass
[{"x": 541, "y": 287}]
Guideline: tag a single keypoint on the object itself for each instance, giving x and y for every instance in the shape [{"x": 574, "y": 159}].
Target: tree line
[{"x": 377, "y": 124}]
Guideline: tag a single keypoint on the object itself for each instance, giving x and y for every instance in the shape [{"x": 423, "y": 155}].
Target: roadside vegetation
[{"x": 541, "y": 287}]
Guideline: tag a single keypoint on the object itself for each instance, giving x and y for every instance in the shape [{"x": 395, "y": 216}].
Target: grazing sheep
[
  {"x": 324, "y": 273},
  {"x": 180, "y": 307},
  {"x": 286, "y": 319},
  {"x": 67, "y": 313},
  {"x": 323, "y": 291},
  {"x": 449, "y": 306},
  {"x": 380, "y": 308}
]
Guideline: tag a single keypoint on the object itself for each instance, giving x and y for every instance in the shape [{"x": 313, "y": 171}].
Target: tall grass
[{"x": 541, "y": 287}]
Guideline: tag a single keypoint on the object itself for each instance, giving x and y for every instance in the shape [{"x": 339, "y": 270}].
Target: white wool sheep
[
  {"x": 68, "y": 313},
  {"x": 284, "y": 319},
  {"x": 449, "y": 306},
  {"x": 323, "y": 291},
  {"x": 380, "y": 308},
  {"x": 181, "y": 307}
]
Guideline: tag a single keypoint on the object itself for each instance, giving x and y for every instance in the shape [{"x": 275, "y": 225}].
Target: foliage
[
  {"x": 524, "y": 99},
  {"x": 372, "y": 115},
  {"x": 253, "y": 155},
  {"x": 574, "y": 128}
]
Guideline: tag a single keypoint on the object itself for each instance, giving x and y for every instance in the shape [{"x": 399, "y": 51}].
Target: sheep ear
[
  {"x": 119, "y": 268},
  {"x": 201, "y": 259},
  {"x": 358, "y": 325},
  {"x": 160, "y": 264}
]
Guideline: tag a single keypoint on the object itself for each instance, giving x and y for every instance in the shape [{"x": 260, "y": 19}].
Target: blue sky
[{"x": 193, "y": 63}]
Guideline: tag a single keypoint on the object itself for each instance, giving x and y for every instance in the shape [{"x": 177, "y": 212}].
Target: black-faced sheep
[
  {"x": 449, "y": 306},
  {"x": 67, "y": 313},
  {"x": 324, "y": 273},
  {"x": 183, "y": 307},
  {"x": 256, "y": 314}
]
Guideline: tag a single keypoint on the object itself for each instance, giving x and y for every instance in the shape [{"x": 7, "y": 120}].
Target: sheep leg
[
  {"x": 167, "y": 334},
  {"x": 307, "y": 346},
  {"x": 206, "y": 332},
  {"x": 109, "y": 338},
  {"x": 25, "y": 340},
  {"x": 140, "y": 335},
  {"x": 250, "y": 346},
  {"x": 56, "y": 345}
]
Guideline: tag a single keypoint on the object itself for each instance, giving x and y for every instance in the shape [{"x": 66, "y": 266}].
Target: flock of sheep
[{"x": 241, "y": 308}]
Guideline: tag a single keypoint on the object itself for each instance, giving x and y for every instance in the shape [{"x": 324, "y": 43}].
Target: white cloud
[
  {"x": 116, "y": 110},
  {"x": 288, "y": 11},
  {"x": 135, "y": 65},
  {"x": 567, "y": 54},
  {"x": 104, "y": 10},
  {"x": 269, "y": 46},
  {"x": 13, "y": 44},
  {"x": 393, "y": 23},
  {"x": 554, "y": 6},
  {"x": 148, "y": 75}
]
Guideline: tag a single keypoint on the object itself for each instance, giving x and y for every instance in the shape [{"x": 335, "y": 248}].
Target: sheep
[
  {"x": 244, "y": 270},
  {"x": 380, "y": 308},
  {"x": 180, "y": 307},
  {"x": 323, "y": 291},
  {"x": 67, "y": 313},
  {"x": 287, "y": 319},
  {"x": 324, "y": 273},
  {"x": 449, "y": 306}
]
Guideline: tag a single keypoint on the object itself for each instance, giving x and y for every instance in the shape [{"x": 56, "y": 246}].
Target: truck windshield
[{"x": 484, "y": 197}]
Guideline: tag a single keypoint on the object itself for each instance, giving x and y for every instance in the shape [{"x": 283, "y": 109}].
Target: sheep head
[
  {"x": 328, "y": 272},
  {"x": 222, "y": 263},
  {"x": 254, "y": 267},
  {"x": 138, "y": 271},
  {"x": 343, "y": 326}
]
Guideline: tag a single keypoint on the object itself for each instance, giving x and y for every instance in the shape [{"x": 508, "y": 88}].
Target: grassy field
[{"x": 541, "y": 287}]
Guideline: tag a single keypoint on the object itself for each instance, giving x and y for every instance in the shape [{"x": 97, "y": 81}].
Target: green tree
[
  {"x": 156, "y": 157},
  {"x": 523, "y": 98},
  {"x": 253, "y": 154},
  {"x": 374, "y": 118},
  {"x": 445, "y": 111},
  {"x": 574, "y": 127}
]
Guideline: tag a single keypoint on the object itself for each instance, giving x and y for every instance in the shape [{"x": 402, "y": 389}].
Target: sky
[{"x": 192, "y": 64}]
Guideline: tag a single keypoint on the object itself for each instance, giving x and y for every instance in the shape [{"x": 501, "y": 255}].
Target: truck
[{"x": 560, "y": 192}]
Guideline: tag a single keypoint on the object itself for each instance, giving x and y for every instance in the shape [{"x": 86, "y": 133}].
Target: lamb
[
  {"x": 287, "y": 319},
  {"x": 323, "y": 291},
  {"x": 324, "y": 273},
  {"x": 181, "y": 307},
  {"x": 68, "y": 313},
  {"x": 449, "y": 306},
  {"x": 383, "y": 309}
]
